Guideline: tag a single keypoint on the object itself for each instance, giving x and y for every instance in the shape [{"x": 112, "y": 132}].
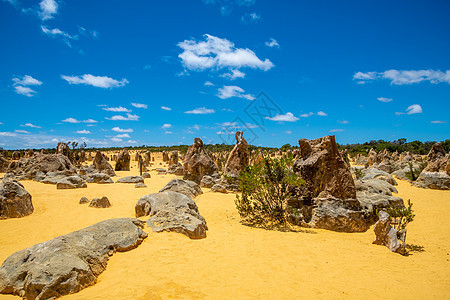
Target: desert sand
[{"x": 238, "y": 261}]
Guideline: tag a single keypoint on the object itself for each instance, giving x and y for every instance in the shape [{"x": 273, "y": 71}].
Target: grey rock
[
  {"x": 130, "y": 179},
  {"x": 102, "y": 165},
  {"x": 102, "y": 202},
  {"x": 71, "y": 182},
  {"x": 68, "y": 263},
  {"x": 172, "y": 211},
  {"x": 376, "y": 186},
  {"x": 374, "y": 173},
  {"x": 218, "y": 188},
  {"x": 140, "y": 185},
  {"x": 433, "y": 180},
  {"x": 100, "y": 178},
  {"x": 207, "y": 181},
  {"x": 387, "y": 236},
  {"x": 15, "y": 201},
  {"x": 185, "y": 187},
  {"x": 146, "y": 175},
  {"x": 84, "y": 200}
]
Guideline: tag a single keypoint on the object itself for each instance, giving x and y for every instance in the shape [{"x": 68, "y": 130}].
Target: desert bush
[
  {"x": 265, "y": 191},
  {"x": 358, "y": 173},
  {"x": 401, "y": 216},
  {"x": 413, "y": 174}
]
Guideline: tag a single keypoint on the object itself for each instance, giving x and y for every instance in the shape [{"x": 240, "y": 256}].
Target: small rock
[
  {"x": 130, "y": 179},
  {"x": 146, "y": 175},
  {"x": 102, "y": 202},
  {"x": 84, "y": 200},
  {"x": 140, "y": 185}
]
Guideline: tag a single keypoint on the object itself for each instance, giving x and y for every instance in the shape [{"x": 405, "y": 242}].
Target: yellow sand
[{"x": 237, "y": 261}]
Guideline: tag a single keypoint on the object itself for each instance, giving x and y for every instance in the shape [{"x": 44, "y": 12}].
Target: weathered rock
[
  {"x": 71, "y": 182},
  {"x": 69, "y": 263},
  {"x": 361, "y": 160},
  {"x": 63, "y": 148},
  {"x": 130, "y": 179},
  {"x": 176, "y": 169},
  {"x": 15, "y": 155},
  {"x": 173, "y": 159},
  {"x": 433, "y": 180},
  {"x": 374, "y": 173},
  {"x": 372, "y": 158},
  {"x": 100, "y": 178},
  {"x": 39, "y": 165},
  {"x": 102, "y": 165},
  {"x": 102, "y": 202},
  {"x": 146, "y": 175},
  {"x": 239, "y": 157},
  {"x": 84, "y": 200},
  {"x": 436, "y": 152},
  {"x": 207, "y": 181},
  {"x": 15, "y": 201},
  {"x": 376, "y": 186},
  {"x": 172, "y": 211},
  {"x": 185, "y": 187},
  {"x": 219, "y": 188},
  {"x": 123, "y": 161},
  {"x": 387, "y": 236},
  {"x": 165, "y": 156},
  {"x": 140, "y": 185},
  {"x": 3, "y": 165},
  {"x": 198, "y": 162}
]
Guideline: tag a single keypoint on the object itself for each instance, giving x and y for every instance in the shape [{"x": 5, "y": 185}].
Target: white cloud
[
  {"x": 233, "y": 91},
  {"x": 233, "y": 74},
  {"x": 114, "y": 139},
  {"x": 229, "y": 124},
  {"x": 165, "y": 108},
  {"x": 336, "y": 130},
  {"x": 321, "y": 113},
  {"x": 48, "y": 8},
  {"x": 30, "y": 125},
  {"x": 123, "y": 135},
  {"x": 412, "y": 109},
  {"x": 7, "y": 133},
  {"x": 209, "y": 83},
  {"x": 26, "y": 80},
  {"x": 140, "y": 105},
  {"x": 196, "y": 127},
  {"x": 83, "y": 131},
  {"x": 288, "y": 132},
  {"x": 116, "y": 109},
  {"x": 129, "y": 117},
  {"x": 165, "y": 126},
  {"x": 216, "y": 53},
  {"x": 401, "y": 77},
  {"x": 73, "y": 120},
  {"x": 250, "y": 18},
  {"x": 118, "y": 129},
  {"x": 97, "y": 81},
  {"x": 251, "y": 126},
  {"x": 343, "y": 121},
  {"x": 272, "y": 43},
  {"x": 25, "y": 91},
  {"x": 383, "y": 99},
  {"x": 168, "y": 132},
  {"x": 288, "y": 117},
  {"x": 21, "y": 131},
  {"x": 200, "y": 111},
  {"x": 438, "y": 122},
  {"x": 306, "y": 115},
  {"x": 57, "y": 32},
  {"x": 132, "y": 142}
]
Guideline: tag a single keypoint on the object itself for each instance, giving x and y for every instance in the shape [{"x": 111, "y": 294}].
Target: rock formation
[
  {"x": 172, "y": 211},
  {"x": 62, "y": 148},
  {"x": 15, "y": 155},
  {"x": 185, "y": 187},
  {"x": 71, "y": 182},
  {"x": 102, "y": 202},
  {"x": 130, "y": 179},
  {"x": 198, "y": 162},
  {"x": 15, "y": 201},
  {"x": 68, "y": 263},
  {"x": 239, "y": 157},
  {"x": 123, "y": 161},
  {"x": 387, "y": 236},
  {"x": 102, "y": 165}
]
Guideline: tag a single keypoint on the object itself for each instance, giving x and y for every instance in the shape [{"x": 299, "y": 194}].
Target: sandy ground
[{"x": 237, "y": 261}]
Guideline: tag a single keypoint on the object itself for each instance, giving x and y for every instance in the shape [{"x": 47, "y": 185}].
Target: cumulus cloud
[
  {"x": 165, "y": 108},
  {"x": 26, "y": 80},
  {"x": 73, "y": 120},
  {"x": 97, "y": 81},
  {"x": 233, "y": 91},
  {"x": 288, "y": 117},
  {"x": 216, "y": 53},
  {"x": 25, "y": 91},
  {"x": 383, "y": 99},
  {"x": 118, "y": 129},
  {"x": 250, "y": 18},
  {"x": 129, "y": 117},
  {"x": 272, "y": 43},
  {"x": 401, "y": 77},
  {"x": 123, "y": 135},
  {"x": 165, "y": 126},
  {"x": 114, "y": 139},
  {"x": 233, "y": 74},
  {"x": 306, "y": 115},
  {"x": 30, "y": 125},
  {"x": 3, "y": 133},
  {"x": 83, "y": 131},
  {"x": 200, "y": 111},
  {"x": 140, "y": 105},
  {"x": 117, "y": 109},
  {"x": 321, "y": 113},
  {"x": 412, "y": 109},
  {"x": 21, "y": 131},
  {"x": 209, "y": 83},
  {"x": 48, "y": 8}
]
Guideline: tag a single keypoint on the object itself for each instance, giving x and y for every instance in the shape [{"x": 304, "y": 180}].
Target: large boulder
[
  {"x": 102, "y": 165},
  {"x": 172, "y": 211},
  {"x": 239, "y": 157},
  {"x": 185, "y": 187},
  {"x": 130, "y": 179},
  {"x": 374, "y": 173},
  {"x": 68, "y": 263},
  {"x": 4, "y": 163},
  {"x": 436, "y": 175},
  {"x": 39, "y": 165},
  {"x": 198, "y": 162},
  {"x": 436, "y": 152},
  {"x": 71, "y": 182},
  {"x": 123, "y": 161},
  {"x": 100, "y": 178},
  {"x": 15, "y": 201},
  {"x": 176, "y": 169}
]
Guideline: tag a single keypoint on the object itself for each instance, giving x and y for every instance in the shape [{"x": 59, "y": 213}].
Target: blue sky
[{"x": 126, "y": 73}]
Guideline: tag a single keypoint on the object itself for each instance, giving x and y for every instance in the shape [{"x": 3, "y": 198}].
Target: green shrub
[
  {"x": 265, "y": 191},
  {"x": 401, "y": 216},
  {"x": 413, "y": 174}
]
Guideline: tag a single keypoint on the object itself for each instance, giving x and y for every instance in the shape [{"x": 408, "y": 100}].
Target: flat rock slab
[
  {"x": 68, "y": 263},
  {"x": 130, "y": 179},
  {"x": 172, "y": 211},
  {"x": 185, "y": 187},
  {"x": 71, "y": 182},
  {"x": 100, "y": 178}
]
